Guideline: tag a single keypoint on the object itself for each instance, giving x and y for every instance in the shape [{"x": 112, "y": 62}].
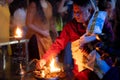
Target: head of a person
[
  {"x": 6, "y": 1},
  {"x": 39, "y": 9},
  {"x": 81, "y": 10},
  {"x": 9, "y": 1},
  {"x": 108, "y": 6},
  {"x": 105, "y": 5}
]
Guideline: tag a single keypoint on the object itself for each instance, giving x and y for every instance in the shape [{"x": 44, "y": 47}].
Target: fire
[
  {"x": 53, "y": 66},
  {"x": 53, "y": 70},
  {"x": 18, "y": 33}
]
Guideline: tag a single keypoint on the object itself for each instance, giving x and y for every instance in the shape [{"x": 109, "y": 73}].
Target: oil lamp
[{"x": 18, "y": 36}]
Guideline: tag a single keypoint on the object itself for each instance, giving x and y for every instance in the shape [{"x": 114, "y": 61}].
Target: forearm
[
  {"x": 61, "y": 7},
  {"x": 40, "y": 31}
]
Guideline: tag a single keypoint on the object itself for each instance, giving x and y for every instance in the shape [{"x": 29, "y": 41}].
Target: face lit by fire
[{"x": 81, "y": 14}]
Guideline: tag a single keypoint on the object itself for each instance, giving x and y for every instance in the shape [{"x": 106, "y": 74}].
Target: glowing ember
[{"x": 18, "y": 33}]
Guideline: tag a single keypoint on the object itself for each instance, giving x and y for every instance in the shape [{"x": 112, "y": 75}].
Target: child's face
[{"x": 81, "y": 14}]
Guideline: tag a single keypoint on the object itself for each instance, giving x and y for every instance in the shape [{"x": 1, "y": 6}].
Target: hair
[
  {"x": 102, "y": 4},
  {"x": 118, "y": 10},
  {"x": 82, "y": 3},
  {"x": 39, "y": 9}
]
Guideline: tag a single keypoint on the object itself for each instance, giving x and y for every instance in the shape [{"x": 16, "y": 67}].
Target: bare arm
[
  {"x": 52, "y": 24},
  {"x": 61, "y": 7}
]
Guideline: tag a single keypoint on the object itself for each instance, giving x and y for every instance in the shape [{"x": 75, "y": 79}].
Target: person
[
  {"x": 5, "y": 20},
  {"x": 39, "y": 21},
  {"x": 5, "y": 23},
  {"x": 75, "y": 32},
  {"x": 5, "y": 50},
  {"x": 65, "y": 10},
  {"x": 63, "y": 13},
  {"x": 113, "y": 51},
  {"x": 109, "y": 6}
]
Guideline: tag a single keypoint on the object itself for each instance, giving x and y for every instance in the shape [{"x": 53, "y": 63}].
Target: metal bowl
[{"x": 51, "y": 76}]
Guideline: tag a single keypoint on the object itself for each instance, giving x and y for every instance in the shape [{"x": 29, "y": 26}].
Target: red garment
[
  {"x": 71, "y": 32},
  {"x": 85, "y": 74}
]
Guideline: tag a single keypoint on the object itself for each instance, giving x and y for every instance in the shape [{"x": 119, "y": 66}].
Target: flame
[
  {"x": 53, "y": 66},
  {"x": 18, "y": 33},
  {"x": 43, "y": 73}
]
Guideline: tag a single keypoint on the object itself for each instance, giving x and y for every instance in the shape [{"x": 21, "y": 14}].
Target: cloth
[
  {"x": 86, "y": 75},
  {"x": 4, "y": 22},
  {"x": 33, "y": 48},
  {"x": 43, "y": 44},
  {"x": 68, "y": 60},
  {"x": 59, "y": 23},
  {"x": 112, "y": 74}
]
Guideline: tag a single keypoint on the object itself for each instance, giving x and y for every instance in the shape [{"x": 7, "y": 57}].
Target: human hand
[
  {"x": 86, "y": 39},
  {"x": 40, "y": 64}
]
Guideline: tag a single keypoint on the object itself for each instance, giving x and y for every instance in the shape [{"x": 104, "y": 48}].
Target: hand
[
  {"x": 40, "y": 64},
  {"x": 86, "y": 39},
  {"x": 104, "y": 56}
]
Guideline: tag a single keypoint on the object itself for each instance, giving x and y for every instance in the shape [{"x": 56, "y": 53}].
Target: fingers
[{"x": 40, "y": 64}]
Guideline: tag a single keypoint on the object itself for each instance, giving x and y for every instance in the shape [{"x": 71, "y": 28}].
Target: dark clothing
[
  {"x": 33, "y": 48},
  {"x": 112, "y": 74},
  {"x": 86, "y": 75}
]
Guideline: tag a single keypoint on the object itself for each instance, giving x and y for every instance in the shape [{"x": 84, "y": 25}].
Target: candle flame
[{"x": 18, "y": 33}]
